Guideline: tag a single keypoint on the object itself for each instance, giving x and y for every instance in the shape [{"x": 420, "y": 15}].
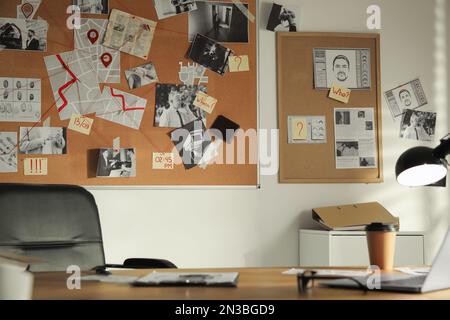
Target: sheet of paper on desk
[
  {"x": 221, "y": 279},
  {"x": 414, "y": 271},
  {"x": 329, "y": 272},
  {"x": 109, "y": 279}
]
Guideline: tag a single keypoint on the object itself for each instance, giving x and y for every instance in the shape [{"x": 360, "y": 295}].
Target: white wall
[{"x": 221, "y": 228}]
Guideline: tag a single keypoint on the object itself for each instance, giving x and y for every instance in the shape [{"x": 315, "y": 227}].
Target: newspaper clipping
[
  {"x": 129, "y": 34},
  {"x": 349, "y": 68},
  {"x": 355, "y": 138}
]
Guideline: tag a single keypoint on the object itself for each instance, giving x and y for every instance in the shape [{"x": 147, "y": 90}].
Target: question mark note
[
  {"x": 298, "y": 127},
  {"x": 238, "y": 63}
]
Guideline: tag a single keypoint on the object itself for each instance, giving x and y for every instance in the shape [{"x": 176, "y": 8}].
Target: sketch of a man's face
[
  {"x": 341, "y": 67},
  {"x": 405, "y": 97}
]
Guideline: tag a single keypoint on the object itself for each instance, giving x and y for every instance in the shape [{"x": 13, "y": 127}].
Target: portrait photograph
[
  {"x": 175, "y": 105},
  {"x": 220, "y": 21},
  {"x": 210, "y": 54},
  {"x": 418, "y": 125}
]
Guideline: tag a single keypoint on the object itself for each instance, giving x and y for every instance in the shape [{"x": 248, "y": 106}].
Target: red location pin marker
[
  {"x": 106, "y": 59},
  {"x": 27, "y": 9},
  {"x": 92, "y": 35}
]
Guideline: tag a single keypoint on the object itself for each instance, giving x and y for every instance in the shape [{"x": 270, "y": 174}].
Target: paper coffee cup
[
  {"x": 381, "y": 245},
  {"x": 15, "y": 283}
]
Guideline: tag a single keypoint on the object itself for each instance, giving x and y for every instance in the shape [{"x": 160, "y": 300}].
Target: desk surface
[{"x": 254, "y": 284}]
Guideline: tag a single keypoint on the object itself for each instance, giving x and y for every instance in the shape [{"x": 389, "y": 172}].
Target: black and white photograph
[
  {"x": 220, "y": 21},
  {"x": 116, "y": 164},
  {"x": 347, "y": 148},
  {"x": 361, "y": 114},
  {"x": 210, "y": 54},
  {"x": 17, "y": 34},
  {"x": 191, "y": 142},
  {"x": 42, "y": 140},
  {"x": 8, "y": 152},
  {"x": 369, "y": 125},
  {"x": 342, "y": 117},
  {"x": 141, "y": 76},
  {"x": 407, "y": 96},
  {"x": 175, "y": 105},
  {"x": 283, "y": 18},
  {"x": 367, "y": 162},
  {"x": 348, "y": 68},
  {"x": 418, "y": 125},
  {"x": 169, "y": 8},
  {"x": 93, "y": 6}
]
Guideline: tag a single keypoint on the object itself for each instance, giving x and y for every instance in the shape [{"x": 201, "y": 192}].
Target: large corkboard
[
  {"x": 315, "y": 163},
  {"x": 236, "y": 93}
]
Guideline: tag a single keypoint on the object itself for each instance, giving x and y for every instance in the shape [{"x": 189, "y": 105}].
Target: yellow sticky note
[
  {"x": 299, "y": 128},
  {"x": 339, "y": 93},
  {"x": 238, "y": 63},
  {"x": 205, "y": 102},
  {"x": 35, "y": 167},
  {"x": 162, "y": 161},
  {"x": 81, "y": 124}
]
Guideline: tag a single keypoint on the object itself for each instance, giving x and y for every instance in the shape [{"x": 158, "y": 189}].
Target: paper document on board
[{"x": 355, "y": 143}]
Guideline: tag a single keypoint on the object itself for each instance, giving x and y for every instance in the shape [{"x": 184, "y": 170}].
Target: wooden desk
[{"x": 254, "y": 284}]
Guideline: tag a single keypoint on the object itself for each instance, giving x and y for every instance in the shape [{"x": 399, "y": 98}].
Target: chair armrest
[
  {"x": 144, "y": 263},
  {"x": 136, "y": 263}
]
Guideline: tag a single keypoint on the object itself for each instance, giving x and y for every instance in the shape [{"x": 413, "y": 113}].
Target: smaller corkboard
[{"x": 315, "y": 163}]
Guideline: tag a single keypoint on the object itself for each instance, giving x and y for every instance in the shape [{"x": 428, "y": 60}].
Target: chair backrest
[{"x": 58, "y": 224}]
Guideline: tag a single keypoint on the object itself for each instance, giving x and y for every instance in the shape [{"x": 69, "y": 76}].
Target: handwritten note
[
  {"x": 238, "y": 63},
  {"x": 162, "y": 161},
  {"x": 35, "y": 167},
  {"x": 339, "y": 93},
  {"x": 299, "y": 127},
  {"x": 205, "y": 102},
  {"x": 81, "y": 124}
]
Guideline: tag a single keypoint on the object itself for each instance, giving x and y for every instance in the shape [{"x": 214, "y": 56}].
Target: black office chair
[{"x": 58, "y": 224}]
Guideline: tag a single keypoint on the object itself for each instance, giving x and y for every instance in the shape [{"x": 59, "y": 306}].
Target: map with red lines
[
  {"x": 122, "y": 108},
  {"x": 74, "y": 82}
]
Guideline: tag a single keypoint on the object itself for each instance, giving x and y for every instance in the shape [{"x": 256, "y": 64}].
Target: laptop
[
  {"x": 212, "y": 279},
  {"x": 437, "y": 279}
]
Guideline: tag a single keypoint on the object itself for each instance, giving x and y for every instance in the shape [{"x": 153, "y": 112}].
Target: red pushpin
[
  {"x": 92, "y": 35},
  {"x": 27, "y": 9},
  {"x": 106, "y": 59}
]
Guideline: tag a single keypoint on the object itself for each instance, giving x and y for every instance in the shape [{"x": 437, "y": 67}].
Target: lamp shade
[{"x": 419, "y": 167}]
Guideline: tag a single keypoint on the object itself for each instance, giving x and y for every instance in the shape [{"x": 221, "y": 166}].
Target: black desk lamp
[{"x": 422, "y": 166}]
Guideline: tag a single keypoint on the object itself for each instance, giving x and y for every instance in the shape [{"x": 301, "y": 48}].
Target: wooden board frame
[
  {"x": 315, "y": 163},
  {"x": 237, "y": 94}
]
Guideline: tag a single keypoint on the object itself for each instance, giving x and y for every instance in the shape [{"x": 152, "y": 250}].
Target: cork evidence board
[
  {"x": 298, "y": 96},
  {"x": 236, "y": 94}
]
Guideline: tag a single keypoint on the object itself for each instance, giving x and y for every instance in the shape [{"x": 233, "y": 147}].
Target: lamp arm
[{"x": 443, "y": 150}]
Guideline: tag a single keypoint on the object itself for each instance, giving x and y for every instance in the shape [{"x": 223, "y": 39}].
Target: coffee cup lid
[{"x": 378, "y": 226}]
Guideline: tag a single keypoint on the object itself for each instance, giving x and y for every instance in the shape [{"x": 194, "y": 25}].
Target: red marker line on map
[
  {"x": 122, "y": 98},
  {"x": 65, "y": 86}
]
